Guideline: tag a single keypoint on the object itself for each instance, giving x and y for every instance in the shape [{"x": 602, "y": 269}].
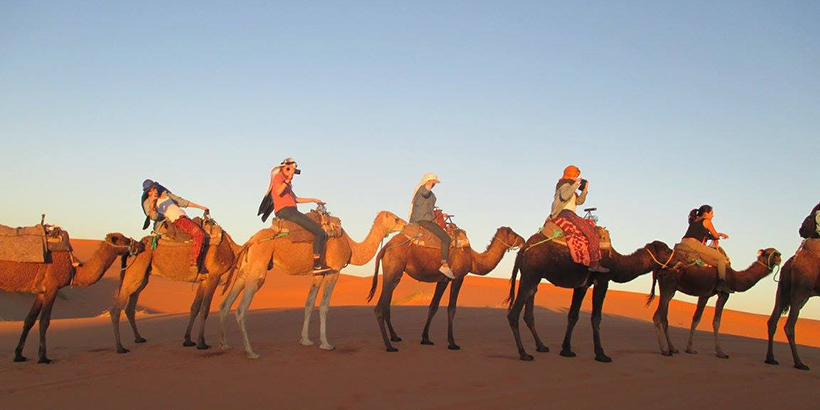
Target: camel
[
  {"x": 172, "y": 261},
  {"x": 800, "y": 280},
  {"x": 700, "y": 281},
  {"x": 400, "y": 256},
  {"x": 543, "y": 258},
  {"x": 263, "y": 252},
  {"x": 58, "y": 272}
]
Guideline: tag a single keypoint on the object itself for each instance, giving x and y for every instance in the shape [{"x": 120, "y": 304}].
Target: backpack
[{"x": 808, "y": 229}]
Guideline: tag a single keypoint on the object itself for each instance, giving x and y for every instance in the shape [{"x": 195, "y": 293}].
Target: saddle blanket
[{"x": 422, "y": 237}]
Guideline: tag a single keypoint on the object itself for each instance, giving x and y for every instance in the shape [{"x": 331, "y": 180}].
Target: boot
[
  {"x": 319, "y": 267},
  {"x": 723, "y": 287},
  {"x": 446, "y": 271},
  {"x": 596, "y": 267}
]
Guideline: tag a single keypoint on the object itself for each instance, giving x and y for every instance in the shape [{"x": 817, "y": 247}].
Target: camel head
[
  {"x": 124, "y": 245},
  {"x": 390, "y": 222},
  {"x": 660, "y": 253},
  {"x": 769, "y": 257},
  {"x": 509, "y": 238}
]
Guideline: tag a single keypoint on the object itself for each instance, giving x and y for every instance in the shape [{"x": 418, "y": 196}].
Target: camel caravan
[{"x": 568, "y": 250}]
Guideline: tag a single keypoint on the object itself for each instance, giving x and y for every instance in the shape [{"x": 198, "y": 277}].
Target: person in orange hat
[{"x": 566, "y": 200}]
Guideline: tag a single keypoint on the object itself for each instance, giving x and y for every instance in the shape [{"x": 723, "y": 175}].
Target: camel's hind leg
[
  {"x": 31, "y": 319},
  {"x": 798, "y": 299},
  {"x": 690, "y": 344},
  {"x": 451, "y": 312},
  {"x": 254, "y": 282},
  {"x": 225, "y": 307},
  {"x": 324, "y": 308},
  {"x": 434, "y": 303},
  {"x": 529, "y": 319},
  {"x": 578, "y": 295},
  {"x": 209, "y": 286},
  {"x": 721, "y": 302},
  {"x": 310, "y": 303},
  {"x": 196, "y": 305},
  {"x": 131, "y": 311},
  {"x": 526, "y": 291},
  {"x": 772, "y": 322}
]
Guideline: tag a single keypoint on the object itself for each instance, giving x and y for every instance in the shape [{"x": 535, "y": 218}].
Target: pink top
[{"x": 288, "y": 198}]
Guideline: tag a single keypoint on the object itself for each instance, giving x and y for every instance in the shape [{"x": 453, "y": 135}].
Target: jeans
[
  {"x": 292, "y": 214},
  {"x": 439, "y": 231}
]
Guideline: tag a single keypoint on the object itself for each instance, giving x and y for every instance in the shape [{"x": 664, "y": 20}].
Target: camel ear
[{"x": 760, "y": 252}]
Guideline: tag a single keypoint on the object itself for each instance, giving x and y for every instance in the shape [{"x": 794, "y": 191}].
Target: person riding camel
[
  {"x": 158, "y": 204},
  {"x": 563, "y": 206},
  {"x": 422, "y": 213},
  {"x": 281, "y": 199},
  {"x": 810, "y": 228},
  {"x": 694, "y": 240}
]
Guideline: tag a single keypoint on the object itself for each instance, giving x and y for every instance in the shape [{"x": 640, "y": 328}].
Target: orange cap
[{"x": 571, "y": 172}]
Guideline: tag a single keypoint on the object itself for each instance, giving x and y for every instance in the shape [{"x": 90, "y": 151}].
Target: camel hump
[
  {"x": 422, "y": 237},
  {"x": 170, "y": 235},
  {"x": 32, "y": 243},
  {"x": 281, "y": 228},
  {"x": 811, "y": 245}
]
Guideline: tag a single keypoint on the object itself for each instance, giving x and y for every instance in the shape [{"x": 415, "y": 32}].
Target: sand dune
[{"x": 485, "y": 374}]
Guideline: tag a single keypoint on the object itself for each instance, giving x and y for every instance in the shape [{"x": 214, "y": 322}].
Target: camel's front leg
[
  {"x": 45, "y": 320},
  {"x": 440, "y": 288},
  {"x": 131, "y": 311},
  {"x": 31, "y": 319},
  {"x": 598, "y": 297},
  {"x": 690, "y": 344},
  {"x": 797, "y": 302},
  {"x": 192, "y": 314},
  {"x": 225, "y": 308},
  {"x": 572, "y": 318},
  {"x": 668, "y": 290},
  {"x": 324, "y": 307},
  {"x": 451, "y": 312},
  {"x": 310, "y": 303},
  {"x": 210, "y": 288},
  {"x": 772, "y": 322}
]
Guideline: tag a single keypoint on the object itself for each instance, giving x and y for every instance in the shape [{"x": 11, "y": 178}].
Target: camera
[
  {"x": 583, "y": 184},
  {"x": 296, "y": 171}
]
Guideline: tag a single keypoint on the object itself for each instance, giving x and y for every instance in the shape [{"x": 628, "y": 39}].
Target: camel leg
[
  {"x": 210, "y": 288},
  {"x": 131, "y": 281},
  {"x": 225, "y": 309},
  {"x": 772, "y": 325},
  {"x": 529, "y": 319},
  {"x": 722, "y": 298},
  {"x": 45, "y": 320},
  {"x": 796, "y": 304},
  {"x": 440, "y": 288},
  {"x": 598, "y": 297},
  {"x": 251, "y": 287},
  {"x": 192, "y": 314},
  {"x": 690, "y": 344},
  {"x": 572, "y": 318},
  {"x": 131, "y": 311},
  {"x": 310, "y": 303},
  {"x": 324, "y": 308},
  {"x": 526, "y": 291},
  {"x": 668, "y": 291},
  {"x": 382, "y": 310},
  {"x": 451, "y": 312},
  {"x": 27, "y": 325}
]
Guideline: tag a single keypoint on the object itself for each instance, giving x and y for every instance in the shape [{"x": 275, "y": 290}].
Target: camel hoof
[
  {"x": 122, "y": 350},
  {"x": 20, "y": 359},
  {"x": 674, "y": 351},
  {"x": 188, "y": 343},
  {"x": 603, "y": 358},
  {"x": 667, "y": 353},
  {"x": 722, "y": 355},
  {"x": 45, "y": 360},
  {"x": 454, "y": 346},
  {"x": 392, "y": 349},
  {"x": 253, "y": 356},
  {"x": 542, "y": 349},
  {"x": 567, "y": 353},
  {"x": 140, "y": 340},
  {"x": 691, "y": 351},
  {"x": 395, "y": 339},
  {"x": 327, "y": 346},
  {"x": 203, "y": 346},
  {"x": 527, "y": 358},
  {"x": 771, "y": 361},
  {"x": 306, "y": 342},
  {"x": 801, "y": 366},
  {"x": 427, "y": 342}
]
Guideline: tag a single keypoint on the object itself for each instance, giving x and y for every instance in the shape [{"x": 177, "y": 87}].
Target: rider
[
  {"x": 563, "y": 206},
  {"x": 700, "y": 230},
  {"x": 280, "y": 192},
  {"x": 159, "y": 203},
  {"x": 422, "y": 213}
]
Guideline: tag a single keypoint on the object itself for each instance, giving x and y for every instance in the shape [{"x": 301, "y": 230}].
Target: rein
[
  {"x": 771, "y": 267},
  {"x": 662, "y": 265}
]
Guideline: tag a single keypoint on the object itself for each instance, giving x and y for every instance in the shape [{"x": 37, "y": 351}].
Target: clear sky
[{"x": 663, "y": 105}]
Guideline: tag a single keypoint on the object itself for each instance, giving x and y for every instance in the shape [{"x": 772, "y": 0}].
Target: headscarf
[{"x": 425, "y": 179}]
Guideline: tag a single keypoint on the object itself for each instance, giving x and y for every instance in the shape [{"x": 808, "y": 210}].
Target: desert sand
[{"x": 359, "y": 374}]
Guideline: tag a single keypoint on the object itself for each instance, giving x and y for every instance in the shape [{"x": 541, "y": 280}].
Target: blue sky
[{"x": 663, "y": 105}]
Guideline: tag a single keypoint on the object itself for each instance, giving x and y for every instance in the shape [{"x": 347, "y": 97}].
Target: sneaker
[
  {"x": 321, "y": 270},
  {"x": 598, "y": 269},
  {"x": 446, "y": 271}
]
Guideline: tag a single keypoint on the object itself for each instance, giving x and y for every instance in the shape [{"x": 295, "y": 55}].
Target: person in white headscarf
[
  {"x": 281, "y": 200},
  {"x": 422, "y": 213}
]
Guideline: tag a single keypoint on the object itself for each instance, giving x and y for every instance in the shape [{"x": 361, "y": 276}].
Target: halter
[
  {"x": 662, "y": 265},
  {"x": 770, "y": 267},
  {"x": 509, "y": 247}
]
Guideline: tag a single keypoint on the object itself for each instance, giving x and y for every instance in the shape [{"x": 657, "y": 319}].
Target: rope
[
  {"x": 663, "y": 265},
  {"x": 558, "y": 235}
]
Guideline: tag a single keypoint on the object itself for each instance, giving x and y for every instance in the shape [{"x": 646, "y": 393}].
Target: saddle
[
  {"x": 424, "y": 238},
  {"x": 330, "y": 224},
  {"x": 168, "y": 234},
  {"x": 556, "y": 235},
  {"x": 684, "y": 257},
  {"x": 32, "y": 243}
]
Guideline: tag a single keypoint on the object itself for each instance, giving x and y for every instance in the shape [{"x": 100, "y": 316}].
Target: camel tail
[
  {"x": 375, "y": 276},
  {"x": 511, "y": 298},
  {"x": 651, "y": 296},
  {"x": 236, "y": 263}
]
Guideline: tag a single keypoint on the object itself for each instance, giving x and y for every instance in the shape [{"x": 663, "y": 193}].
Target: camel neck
[
  {"x": 92, "y": 270},
  {"x": 363, "y": 252},
  {"x": 741, "y": 281},
  {"x": 484, "y": 263},
  {"x": 628, "y": 267}
]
